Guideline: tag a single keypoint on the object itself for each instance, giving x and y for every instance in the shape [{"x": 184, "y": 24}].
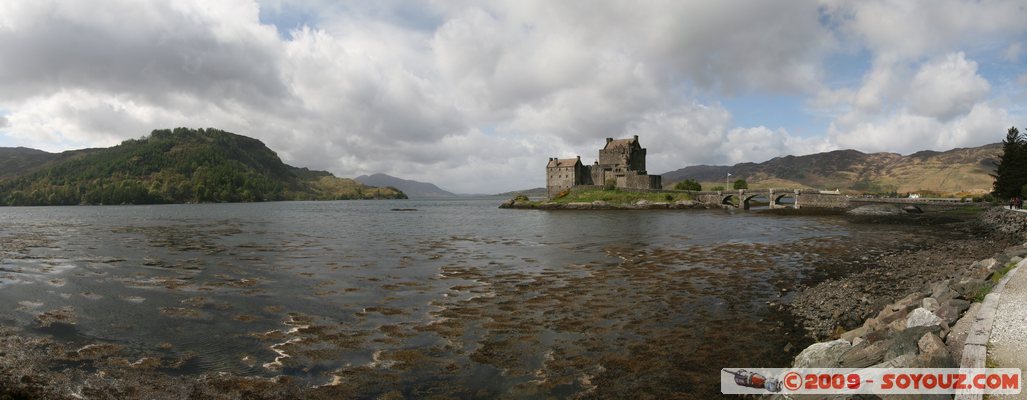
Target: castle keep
[{"x": 621, "y": 162}]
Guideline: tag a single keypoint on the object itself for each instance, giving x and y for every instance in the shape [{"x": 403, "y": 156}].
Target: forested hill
[{"x": 171, "y": 166}]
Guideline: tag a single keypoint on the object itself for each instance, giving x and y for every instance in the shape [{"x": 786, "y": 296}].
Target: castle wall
[
  {"x": 636, "y": 161},
  {"x": 614, "y": 157},
  {"x": 559, "y": 179},
  {"x": 635, "y": 180},
  {"x": 598, "y": 175}
]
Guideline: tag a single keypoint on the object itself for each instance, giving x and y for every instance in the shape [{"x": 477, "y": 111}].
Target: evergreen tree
[{"x": 1011, "y": 170}]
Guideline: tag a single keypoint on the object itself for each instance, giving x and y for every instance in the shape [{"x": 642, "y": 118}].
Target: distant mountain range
[
  {"x": 413, "y": 189},
  {"x": 533, "y": 192},
  {"x": 169, "y": 166},
  {"x": 957, "y": 170}
]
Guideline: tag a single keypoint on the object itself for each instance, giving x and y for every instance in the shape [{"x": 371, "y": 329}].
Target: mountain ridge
[
  {"x": 959, "y": 170},
  {"x": 412, "y": 188}
]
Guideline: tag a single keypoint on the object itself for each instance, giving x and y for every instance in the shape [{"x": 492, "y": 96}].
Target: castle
[{"x": 621, "y": 163}]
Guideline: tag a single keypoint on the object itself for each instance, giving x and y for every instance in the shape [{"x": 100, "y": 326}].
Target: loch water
[{"x": 456, "y": 298}]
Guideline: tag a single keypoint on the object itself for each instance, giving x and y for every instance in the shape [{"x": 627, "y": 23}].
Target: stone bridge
[
  {"x": 811, "y": 198},
  {"x": 800, "y": 198}
]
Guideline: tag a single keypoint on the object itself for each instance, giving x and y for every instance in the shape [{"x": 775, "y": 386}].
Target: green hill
[{"x": 170, "y": 166}]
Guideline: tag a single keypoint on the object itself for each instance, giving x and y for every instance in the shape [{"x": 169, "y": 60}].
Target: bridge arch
[
  {"x": 777, "y": 200},
  {"x": 749, "y": 196},
  {"x": 726, "y": 199}
]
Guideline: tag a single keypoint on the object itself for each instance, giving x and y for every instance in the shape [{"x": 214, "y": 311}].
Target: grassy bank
[{"x": 617, "y": 196}]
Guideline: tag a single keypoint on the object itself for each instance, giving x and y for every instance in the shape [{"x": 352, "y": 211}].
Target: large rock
[
  {"x": 957, "y": 337},
  {"x": 933, "y": 353},
  {"x": 907, "y": 341},
  {"x": 822, "y": 355},
  {"x": 951, "y": 310},
  {"x": 865, "y": 354},
  {"x": 981, "y": 269},
  {"x": 685, "y": 204},
  {"x": 969, "y": 287},
  {"x": 930, "y": 343},
  {"x": 855, "y": 333},
  {"x": 877, "y": 209},
  {"x": 922, "y": 317},
  {"x": 942, "y": 292},
  {"x": 912, "y": 209},
  {"x": 930, "y": 303}
]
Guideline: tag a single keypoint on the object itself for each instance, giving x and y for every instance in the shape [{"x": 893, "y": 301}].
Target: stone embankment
[
  {"x": 1006, "y": 221},
  {"x": 925, "y": 329},
  {"x": 603, "y": 205},
  {"x": 928, "y": 327}
]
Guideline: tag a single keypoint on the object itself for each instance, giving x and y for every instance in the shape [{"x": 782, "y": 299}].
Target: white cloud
[
  {"x": 947, "y": 87},
  {"x": 905, "y": 30},
  {"x": 904, "y": 132},
  {"x": 905, "y": 107},
  {"x": 469, "y": 94},
  {"x": 702, "y": 134}
]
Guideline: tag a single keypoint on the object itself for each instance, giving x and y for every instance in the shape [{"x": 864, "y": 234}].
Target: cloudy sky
[{"x": 475, "y": 96}]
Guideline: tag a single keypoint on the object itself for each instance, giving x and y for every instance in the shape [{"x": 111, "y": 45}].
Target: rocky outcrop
[
  {"x": 924, "y": 329},
  {"x": 877, "y": 210},
  {"x": 1006, "y": 221},
  {"x": 823, "y": 355}
]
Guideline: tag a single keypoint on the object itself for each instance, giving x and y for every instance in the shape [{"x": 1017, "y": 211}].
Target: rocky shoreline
[
  {"x": 604, "y": 205},
  {"x": 861, "y": 324}
]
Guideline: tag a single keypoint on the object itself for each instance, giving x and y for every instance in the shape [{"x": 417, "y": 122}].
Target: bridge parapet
[
  {"x": 810, "y": 198},
  {"x": 741, "y": 197},
  {"x": 803, "y": 197}
]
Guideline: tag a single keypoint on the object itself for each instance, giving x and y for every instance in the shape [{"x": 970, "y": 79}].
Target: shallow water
[{"x": 457, "y": 298}]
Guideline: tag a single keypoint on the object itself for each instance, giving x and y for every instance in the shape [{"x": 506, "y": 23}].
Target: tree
[
  {"x": 688, "y": 184},
  {"x": 741, "y": 184},
  {"x": 1011, "y": 170}
]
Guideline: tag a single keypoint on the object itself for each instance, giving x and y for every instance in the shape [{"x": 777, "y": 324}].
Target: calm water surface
[{"x": 457, "y": 298}]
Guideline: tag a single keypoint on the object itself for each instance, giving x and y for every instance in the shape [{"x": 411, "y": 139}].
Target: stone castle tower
[{"x": 621, "y": 162}]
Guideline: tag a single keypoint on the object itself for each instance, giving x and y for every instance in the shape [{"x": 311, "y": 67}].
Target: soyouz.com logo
[{"x": 999, "y": 381}]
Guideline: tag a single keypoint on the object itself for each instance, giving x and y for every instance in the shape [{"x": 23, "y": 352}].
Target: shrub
[
  {"x": 741, "y": 184},
  {"x": 688, "y": 184},
  {"x": 669, "y": 197},
  {"x": 610, "y": 185}
]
